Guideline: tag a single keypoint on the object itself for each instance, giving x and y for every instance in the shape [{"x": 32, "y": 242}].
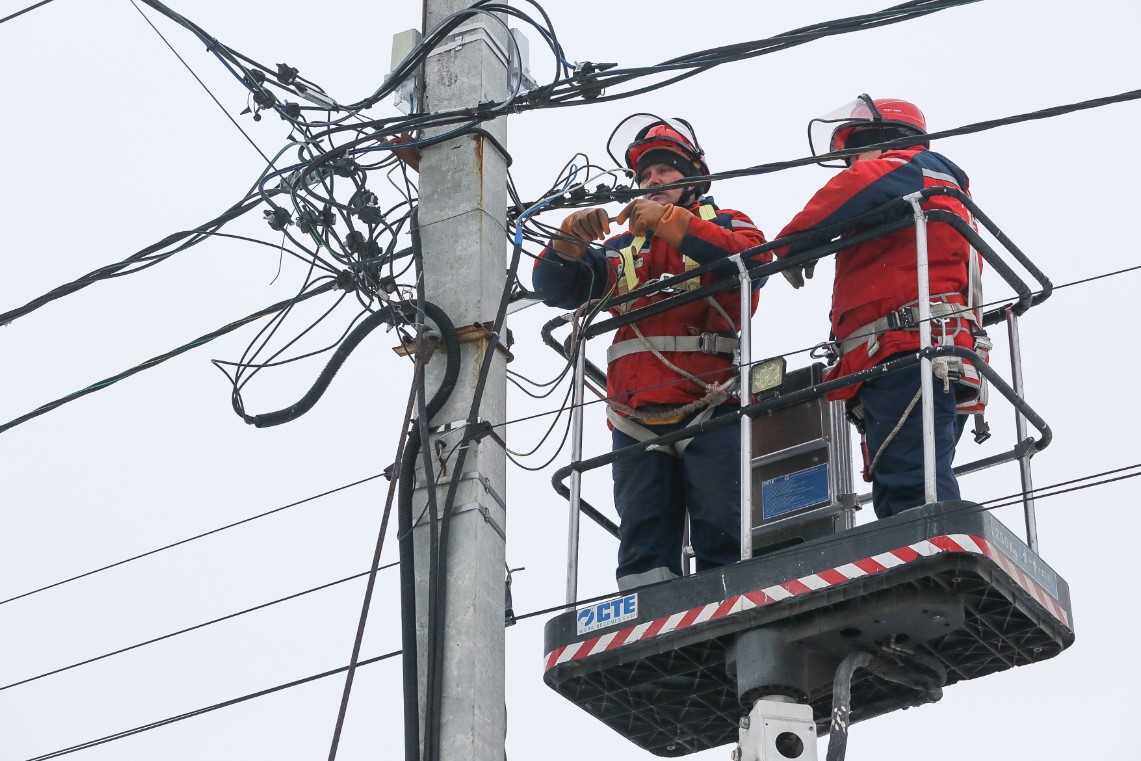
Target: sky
[{"x": 112, "y": 145}]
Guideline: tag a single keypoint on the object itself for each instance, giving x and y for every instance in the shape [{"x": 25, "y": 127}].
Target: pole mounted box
[{"x": 403, "y": 43}]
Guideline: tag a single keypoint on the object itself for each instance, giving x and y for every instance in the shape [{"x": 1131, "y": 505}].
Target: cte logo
[{"x": 607, "y": 613}]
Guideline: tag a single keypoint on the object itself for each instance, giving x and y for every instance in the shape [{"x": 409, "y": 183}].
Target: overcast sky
[{"x": 111, "y": 145}]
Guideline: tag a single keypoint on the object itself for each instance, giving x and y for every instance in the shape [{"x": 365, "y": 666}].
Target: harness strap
[
  {"x": 628, "y": 279},
  {"x": 904, "y": 318},
  {"x": 706, "y": 343},
  {"x": 641, "y": 433}
]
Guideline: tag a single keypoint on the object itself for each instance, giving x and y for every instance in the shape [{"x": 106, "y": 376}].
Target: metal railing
[{"x": 748, "y": 272}]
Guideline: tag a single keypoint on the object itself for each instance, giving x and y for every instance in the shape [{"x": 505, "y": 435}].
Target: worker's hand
[
  {"x": 643, "y": 214},
  {"x": 584, "y": 225},
  {"x": 797, "y": 275}
]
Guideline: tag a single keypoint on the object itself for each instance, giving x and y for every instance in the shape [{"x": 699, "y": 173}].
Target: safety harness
[
  {"x": 632, "y": 421},
  {"x": 972, "y": 389}
]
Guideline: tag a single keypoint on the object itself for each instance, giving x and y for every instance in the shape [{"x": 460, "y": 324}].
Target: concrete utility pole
[{"x": 463, "y": 199}]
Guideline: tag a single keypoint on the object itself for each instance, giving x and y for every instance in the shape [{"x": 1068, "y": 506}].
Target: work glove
[
  {"x": 644, "y": 215},
  {"x": 584, "y": 225},
  {"x": 797, "y": 275}
]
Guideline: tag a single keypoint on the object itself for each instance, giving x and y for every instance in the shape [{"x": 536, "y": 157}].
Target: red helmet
[
  {"x": 674, "y": 136},
  {"x": 882, "y": 112}
]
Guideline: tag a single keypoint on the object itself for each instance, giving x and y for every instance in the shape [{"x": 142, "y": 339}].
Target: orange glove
[
  {"x": 643, "y": 214},
  {"x": 584, "y": 225},
  {"x": 667, "y": 222}
]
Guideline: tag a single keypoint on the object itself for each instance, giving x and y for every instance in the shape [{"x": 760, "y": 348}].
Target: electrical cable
[
  {"x": 187, "y": 540},
  {"x": 311, "y": 397},
  {"x": 198, "y": 712},
  {"x": 803, "y": 350},
  {"x": 157, "y": 360},
  {"x": 438, "y": 583},
  {"x": 233, "y": 121},
  {"x": 25, "y": 10},
  {"x": 342, "y": 711},
  {"x": 839, "y": 538},
  {"x": 148, "y": 256},
  {"x": 404, "y": 512},
  {"x": 202, "y": 625}
]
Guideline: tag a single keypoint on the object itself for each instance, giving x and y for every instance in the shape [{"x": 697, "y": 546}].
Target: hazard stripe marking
[{"x": 794, "y": 587}]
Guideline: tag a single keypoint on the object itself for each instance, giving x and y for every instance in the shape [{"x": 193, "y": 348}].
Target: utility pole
[{"x": 463, "y": 199}]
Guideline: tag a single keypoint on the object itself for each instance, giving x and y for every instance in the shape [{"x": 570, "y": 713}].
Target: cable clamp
[
  {"x": 481, "y": 509},
  {"x": 471, "y": 475}
]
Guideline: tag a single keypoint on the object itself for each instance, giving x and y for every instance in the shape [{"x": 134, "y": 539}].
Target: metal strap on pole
[
  {"x": 1020, "y": 430},
  {"x": 929, "y": 491},
  {"x": 576, "y": 477},
  {"x": 746, "y": 357}
]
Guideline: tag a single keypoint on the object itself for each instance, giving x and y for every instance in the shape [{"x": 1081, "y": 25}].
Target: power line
[
  {"x": 838, "y": 538},
  {"x": 207, "y": 709},
  {"x": 794, "y": 352},
  {"x": 188, "y": 629},
  {"x": 188, "y": 540},
  {"x": 233, "y": 121},
  {"x": 158, "y": 360},
  {"x": 21, "y": 13}
]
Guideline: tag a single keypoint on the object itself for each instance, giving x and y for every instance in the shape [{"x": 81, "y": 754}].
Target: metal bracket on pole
[
  {"x": 930, "y": 493},
  {"x": 466, "y": 35},
  {"x": 471, "y": 476},
  {"x": 468, "y": 506}
]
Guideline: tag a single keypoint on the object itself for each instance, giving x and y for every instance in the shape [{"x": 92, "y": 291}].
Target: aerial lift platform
[{"x": 822, "y": 623}]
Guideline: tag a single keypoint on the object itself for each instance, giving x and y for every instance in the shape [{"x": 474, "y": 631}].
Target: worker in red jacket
[
  {"x": 875, "y": 296},
  {"x": 669, "y": 370}
]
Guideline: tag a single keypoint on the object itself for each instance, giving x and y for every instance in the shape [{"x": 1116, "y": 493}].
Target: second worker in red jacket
[
  {"x": 875, "y": 295},
  {"x": 668, "y": 370}
]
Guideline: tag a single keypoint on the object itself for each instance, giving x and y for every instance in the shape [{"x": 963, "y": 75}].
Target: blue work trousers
[
  {"x": 653, "y": 489},
  {"x": 897, "y": 481}
]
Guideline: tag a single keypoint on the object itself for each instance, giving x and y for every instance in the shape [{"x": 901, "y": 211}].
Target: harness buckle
[
  {"x": 708, "y": 343},
  {"x": 902, "y": 318}
]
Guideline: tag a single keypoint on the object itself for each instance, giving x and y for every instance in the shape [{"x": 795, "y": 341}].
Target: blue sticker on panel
[{"x": 796, "y": 491}]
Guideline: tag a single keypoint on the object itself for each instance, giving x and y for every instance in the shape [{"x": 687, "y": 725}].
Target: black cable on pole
[
  {"x": 437, "y": 611},
  {"x": 311, "y": 397},
  {"x": 405, "y": 521},
  {"x": 202, "y": 625},
  {"x": 198, "y": 712},
  {"x": 342, "y": 711},
  {"x": 181, "y": 542}
]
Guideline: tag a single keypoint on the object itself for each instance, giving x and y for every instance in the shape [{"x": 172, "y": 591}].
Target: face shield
[
  {"x": 861, "y": 111},
  {"x": 631, "y": 137}
]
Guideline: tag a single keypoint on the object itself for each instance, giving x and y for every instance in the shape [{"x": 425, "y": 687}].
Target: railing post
[
  {"x": 1020, "y": 430},
  {"x": 930, "y": 493},
  {"x": 745, "y": 351},
  {"x": 579, "y": 382}
]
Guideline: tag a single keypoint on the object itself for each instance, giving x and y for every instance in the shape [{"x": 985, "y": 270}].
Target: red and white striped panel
[{"x": 820, "y": 580}]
